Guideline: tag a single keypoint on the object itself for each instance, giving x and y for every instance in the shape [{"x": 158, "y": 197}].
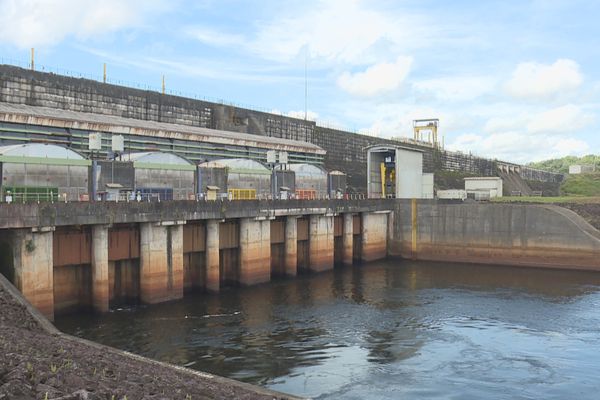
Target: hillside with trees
[{"x": 561, "y": 165}]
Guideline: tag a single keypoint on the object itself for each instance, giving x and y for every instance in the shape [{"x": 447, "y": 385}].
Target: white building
[
  {"x": 482, "y": 188},
  {"x": 397, "y": 172},
  {"x": 581, "y": 169}
]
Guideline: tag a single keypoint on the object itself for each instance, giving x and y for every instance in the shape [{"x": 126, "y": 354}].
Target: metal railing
[{"x": 77, "y": 195}]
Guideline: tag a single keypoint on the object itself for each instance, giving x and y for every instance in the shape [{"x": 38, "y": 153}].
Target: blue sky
[{"x": 515, "y": 80}]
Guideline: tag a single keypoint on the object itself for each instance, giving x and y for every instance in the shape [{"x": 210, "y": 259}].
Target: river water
[{"x": 386, "y": 330}]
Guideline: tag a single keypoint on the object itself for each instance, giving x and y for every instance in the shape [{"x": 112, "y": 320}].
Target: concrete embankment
[
  {"x": 509, "y": 234},
  {"x": 37, "y": 361}
]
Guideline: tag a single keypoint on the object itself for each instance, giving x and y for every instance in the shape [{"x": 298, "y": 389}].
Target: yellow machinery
[
  {"x": 388, "y": 180},
  {"x": 242, "y": 194},
  {"x": 426, "y": 130}
]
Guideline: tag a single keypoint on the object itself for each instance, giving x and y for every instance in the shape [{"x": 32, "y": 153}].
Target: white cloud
[
  {"x": 541, "y": 81},
  {"x": 518, "y": 147},
  {"x": 30, "y": 23},
  {"x": 396, "y": 119},
  {"x": 455, "y": 88},
  {"x": 377, "y": 79},
  {"x": 214, "y": 38},
  {"x": 342, "y": 31},
  {"x": 560, "y": 120},
  {"x": 464, "y": 141}
]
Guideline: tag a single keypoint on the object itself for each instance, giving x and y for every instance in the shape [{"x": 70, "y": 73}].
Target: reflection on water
[{"x": 382, "y": 331}]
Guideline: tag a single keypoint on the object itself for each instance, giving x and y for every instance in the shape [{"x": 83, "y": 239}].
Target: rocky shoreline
[
  {"x": 588, "y": 211},
  {"x": 39, "y": 362}
]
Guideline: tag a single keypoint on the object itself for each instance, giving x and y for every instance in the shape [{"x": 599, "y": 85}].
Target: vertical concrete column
[
  {"x": 414, "y": 229},
  {"x": 348, "y": 239},
  {"x": 100, "y": 290},
  {"x": 291, "y": 246},
  {"x": 34, "y": 269},
  {"x": 321, "y": 243},
  {"x": 161, "y": 262},
  {"x": 255, "y": 251},
  {"x": 374, "y": 236},
  {"x": 390, "y": 233},
  {"x": 176, "y": 260},
  {"x": 213, "y": 278}
]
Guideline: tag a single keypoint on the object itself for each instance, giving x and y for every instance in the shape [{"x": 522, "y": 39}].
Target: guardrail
[{"x": 78, "y": 196}]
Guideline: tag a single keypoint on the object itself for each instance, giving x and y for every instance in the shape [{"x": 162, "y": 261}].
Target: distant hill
[
  {"x": 581, "y": 185},
  {"x": 561, "y": 165}
]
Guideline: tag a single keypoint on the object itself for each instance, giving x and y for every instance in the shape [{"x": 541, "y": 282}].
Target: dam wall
[
  {"x": 96, "y": 256},
  {"x": 345, "y": 151},
  {"x": 509, "y": 234},
  {"x": 65, "y": 257}
]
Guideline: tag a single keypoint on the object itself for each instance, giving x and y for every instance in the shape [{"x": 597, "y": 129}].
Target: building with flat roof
[
  {"x": 394, "y": 172},
  {"x": 483, "y": 188}
]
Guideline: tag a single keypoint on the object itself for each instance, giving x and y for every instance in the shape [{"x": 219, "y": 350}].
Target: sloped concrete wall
[{"x": 508, "y": 234}]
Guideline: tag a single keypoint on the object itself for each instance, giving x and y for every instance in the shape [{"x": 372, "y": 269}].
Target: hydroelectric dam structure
[{"x": 192, "y": 218}]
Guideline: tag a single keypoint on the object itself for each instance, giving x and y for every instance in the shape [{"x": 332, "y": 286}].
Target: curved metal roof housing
[
  {"x": 243, "y": 165},
  {"x": 307, "y": 170},
  {"x": 157, "y": 157},
  {"x": 41, "y": 150},
  {"x": 212, "y": 164},
  {"x": 44, "y": 116}
]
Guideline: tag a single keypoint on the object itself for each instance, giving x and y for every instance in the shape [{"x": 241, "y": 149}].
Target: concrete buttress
[
  {"x": 100, "y": 282},
  {"x": 213, "y": 278},
  {"x": 291, "y": 246},
  {"x": 321, "y": 243},
  {"x": 347, "y": 239},
  {"x": 34, "y": 274},
  {"x": 374, "y": 236},
  {"x": 161, "y": 262},
  {"x": 255, "y": 251}
]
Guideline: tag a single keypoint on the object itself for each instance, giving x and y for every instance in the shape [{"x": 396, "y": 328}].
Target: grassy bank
[
  {"x": 549, "y": 200},
  {"x": 581, "y": 185}
]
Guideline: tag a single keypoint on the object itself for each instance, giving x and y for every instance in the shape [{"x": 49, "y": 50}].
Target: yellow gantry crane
[{"x": 426, "y": 130}]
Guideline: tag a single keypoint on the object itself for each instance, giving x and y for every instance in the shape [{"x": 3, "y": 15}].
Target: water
[{"x": 387, "y": 330}]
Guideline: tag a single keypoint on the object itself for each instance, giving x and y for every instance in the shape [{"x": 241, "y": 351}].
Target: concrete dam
[
  {"x": 71, "y": 256},
  {"x": 112, "y": 197}
]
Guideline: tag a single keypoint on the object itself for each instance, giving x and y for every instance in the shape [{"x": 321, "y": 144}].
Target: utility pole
[
  {"x": 306, "y": 83},
  {"x": 32, "y": 59},
  {"x": 104, "y": 74}
]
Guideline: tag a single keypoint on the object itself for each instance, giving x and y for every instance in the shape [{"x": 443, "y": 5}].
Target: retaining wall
[{"x": 509, "y": 234}]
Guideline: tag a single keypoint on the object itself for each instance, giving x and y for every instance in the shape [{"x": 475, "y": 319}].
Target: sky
[{"x": 516, "y": 80}]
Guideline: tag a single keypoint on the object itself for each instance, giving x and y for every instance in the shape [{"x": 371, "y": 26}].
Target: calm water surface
[{"x": 388, "y": 330}]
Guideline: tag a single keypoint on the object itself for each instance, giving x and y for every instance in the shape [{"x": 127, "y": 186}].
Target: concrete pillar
[
  {"x": 34, "y": 269},
  {"x": 321, "y": 243},
  {"x": 255, "y": 251},
  {"x": 100, "y": 290},
  {"x": 213, "y": 279},
  {"x": 348, "y": 239},
  {"x": 390, "y": 232},
  {"x": 374, "y": 236},
  {"x": 291, "y": 246},
  {"x": 161, "y": 262}
]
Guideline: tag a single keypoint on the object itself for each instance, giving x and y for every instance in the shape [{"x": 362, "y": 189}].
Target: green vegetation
[
  {"x": 561, "y": 165},
  {"x": 581, "y": 185},
  {"x": 548, "y": 200}
]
